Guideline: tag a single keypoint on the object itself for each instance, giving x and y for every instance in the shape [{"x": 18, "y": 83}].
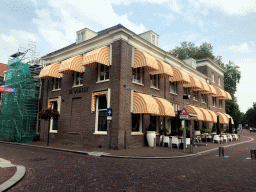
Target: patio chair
[
  {"x": 235, "y": 137},
  {"x": 217, "y": 138},
  {"x": 225, "y": 138},
  {"x": 175, "y": 141},
  {"x": 229, "y": 137}
]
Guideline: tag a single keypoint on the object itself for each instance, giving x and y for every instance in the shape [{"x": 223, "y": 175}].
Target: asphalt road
[{"x": 49, "y": 170}]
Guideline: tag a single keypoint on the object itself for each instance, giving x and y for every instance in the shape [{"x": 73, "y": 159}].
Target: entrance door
[{"x": 54, "y": 122}]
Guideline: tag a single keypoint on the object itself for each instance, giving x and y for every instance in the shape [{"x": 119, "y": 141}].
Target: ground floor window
[
  {"x": 153, "y": 126},
  {"x": 101, "y": 113},
  {"x": 54, "y": 122},
  {"x": 137, "y": 123}
]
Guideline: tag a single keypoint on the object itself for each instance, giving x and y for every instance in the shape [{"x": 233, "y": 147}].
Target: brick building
[{"x": 144, "y": 85}]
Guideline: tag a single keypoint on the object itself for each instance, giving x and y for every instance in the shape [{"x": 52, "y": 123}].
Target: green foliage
[
  {"x": 164, "y": 131},
  {"x": 187, "y": 131},
  {"x": 226, "y": 130},
  {"x": 214, "y": 129},
  {"x": 205, "y": 130},
  {"x": 250, "y": 116}
]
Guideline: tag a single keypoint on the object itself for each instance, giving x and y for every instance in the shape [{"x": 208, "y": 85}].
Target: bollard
[
  {"x": 253, "y": 154},
  {"x": 170, "y": 142},
  {"x": 221, "y": 151},
  {"x": 154, "y": 143},
  {"x": 191, "y": 145}
]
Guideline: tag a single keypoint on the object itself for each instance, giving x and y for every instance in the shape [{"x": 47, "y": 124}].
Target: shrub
[{"x": 47, "y": 114}]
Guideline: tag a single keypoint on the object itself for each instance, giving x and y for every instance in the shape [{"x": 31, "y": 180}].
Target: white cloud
[
  {"x": 242, "y": 48},
  {"x": 232, "y": 7},
  {"x": 128, "y": 2}
]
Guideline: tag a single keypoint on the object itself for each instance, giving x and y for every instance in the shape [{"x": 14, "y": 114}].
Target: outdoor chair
[
  {"x": 235, "y": 137},
  {"x": 225, "y": 138},
  {"x": 217, "y": 138},
  {"x": 198, "y": 138},
  {"x": 229, "y": 137},
  {"x": 175, "y": 141}
]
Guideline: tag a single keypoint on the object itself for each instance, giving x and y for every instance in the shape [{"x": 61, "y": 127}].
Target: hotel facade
[{"x": 143, "y": 84}]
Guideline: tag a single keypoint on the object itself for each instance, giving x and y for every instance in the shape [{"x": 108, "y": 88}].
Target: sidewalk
[{"x": 142, "y": 152}]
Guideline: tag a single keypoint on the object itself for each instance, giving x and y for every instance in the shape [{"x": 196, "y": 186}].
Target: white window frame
[
  {"x": 154, "y": 39},
  {"x": 135, "y": 80},
  {"x": 195, "y": 98},
  {"x": 175, "y": 87},
  {"x": 154, "y": 78},
  {"x": 97, "y": 117},
  {"x": 59, "y": 84},
  {"x": 213, "y": 76},
  {"x": 140, "y": 127},
  {"x": 74, "y": 79},
  {"x": 214, "y": 101},
  {"x": 51, "y": 120},
  {"x": 219, "y": 81},
  {"x": 105, "y": 69}
]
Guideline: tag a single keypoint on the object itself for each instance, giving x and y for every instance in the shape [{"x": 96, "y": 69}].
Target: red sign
[
  {"x": 184, "y": 112},
  {"x": 7, "y": 89}
]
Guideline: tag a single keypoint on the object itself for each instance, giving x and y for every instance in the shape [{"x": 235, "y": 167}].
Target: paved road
[{"x": 60, "y": 171}]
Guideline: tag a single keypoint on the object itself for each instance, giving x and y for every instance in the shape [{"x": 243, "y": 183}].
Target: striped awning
[
  {"x": 194, "y": 83},
  {"x": 101, "y": 55},
  {"x": 214, "y": 116},
  {"x": 212, "y": 90},
  {"x": 142, "y": 59},
  {"x": 228, "y": 116},
  {"x": 228, "y": 96},
  {"x": 179, "y": 76},
  {"x": 50, "y": 71},
  {"x": 164, "y": 70},
  {"x": 205, "y": 88},
  {"x": 193, "y": 109},
  {"x": 206, "y": 114},
  {"x": 165, "y": 107},
  {"x": 223, "y": 119},
  {"x": 219, "y": 93},
  {"x": 144, "y": 104},
  {"x": 72, "y": 64}
]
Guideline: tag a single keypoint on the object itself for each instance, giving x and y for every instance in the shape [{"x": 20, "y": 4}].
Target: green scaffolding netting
[{"x": 19, "y": 109}]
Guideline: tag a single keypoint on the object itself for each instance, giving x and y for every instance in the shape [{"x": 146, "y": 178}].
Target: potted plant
[
  {"x": 151, "y": 135},
  {"x": 164, "y": 131}
]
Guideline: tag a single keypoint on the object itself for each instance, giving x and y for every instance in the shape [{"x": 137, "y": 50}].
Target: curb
[
  {"x": 21, "y": 170},
  {"x": 127, "y": 157}
]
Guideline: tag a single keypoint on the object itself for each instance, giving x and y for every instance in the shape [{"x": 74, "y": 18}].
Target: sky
[{"x": 229, "y": 25}]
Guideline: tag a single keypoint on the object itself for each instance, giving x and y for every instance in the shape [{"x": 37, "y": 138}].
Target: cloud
[
  {"x": 242, "y": 48},
  {"x": 232, "y": 7},
  {"x": 128, "y": 2}
]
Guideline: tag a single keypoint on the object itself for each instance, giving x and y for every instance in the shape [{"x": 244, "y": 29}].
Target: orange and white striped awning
[
  {"x": 219, "y": 93},
  {"x": 50, "y": 71},
  {"x": 228, "y": 96},
  {"x": 228, "y": 116},
  {"x": 101, "y": 55},
  {"x": 213, "y": 115},
  {"x": 223, "y": 119},
  {"x": 142, "y": 59},
  {"x": 72, "y": 64},
  {"x": 164, "y": 70},
  {"x": 206, "y": 114},
  {"x": 144, "y": 104},
  {"x": 205, "y": 88},
  {"x": 194, "y": 83},
  {"x": 193, "y": 109},
  {"x": 179, "y": 76},
  {"x": 165, "y": 107},
  {"x": 212, "y": 90}
]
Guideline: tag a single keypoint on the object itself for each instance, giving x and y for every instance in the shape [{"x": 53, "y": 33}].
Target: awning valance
[
  {"x": 194, "y": 83},
  {"x": 179, "y": 76},
  {"x": 212, "y": 90},
  {"x": 165, "y": 107},
  {"x": 72, "y": 64},
  {"x": 193, "y": 109},
  {"x": 144, "y": 104},
  {"x": 50, "y": 71},
  {"x": 219, "y": 93},
  {"x": 214, "y": 116},
  {"x": 164, "y": 70},
  {"x": 101, "y": 55},
  {"x": 223, "y": 119},
  {"x": 206, "y": 114},
  {"x": 142, "y": 59},
  {"x": 228, "y": 116},
  {"x": 94, "y": 95},
  {"x": 205, "y": 88},
  {"x": 228, "y": 96}
]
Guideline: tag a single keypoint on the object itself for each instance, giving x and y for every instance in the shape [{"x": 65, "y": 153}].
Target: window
[
  {"x": 78, "y": 79},
  {"x": 153, "y": 39},
  {"x": 137, "y": 75},
  {"x": 220, "y": 103},
  {"x": 214, "y": 101},
  {"x": 186, "y": 90},
  {"x": 83, "y": 35},
  {"x": 219, "y": 81},
  {"x": 137, "y": 123},
  {"x": 212, "y": 77},
  {"x": 101, "y": 114},
  {"x": 103, "y": 72},
  {"x": 195, "y": 95},
  {"x": 79, "y": 37},
  {"x": 204, "y": 98},
  {"x": 54, "y": 122},
  {"x": 56, "y": 84},
  {"x": 153, "y": 126},
  {"x": 173, "y": 87},
  {"x": 154, "y": 81}
]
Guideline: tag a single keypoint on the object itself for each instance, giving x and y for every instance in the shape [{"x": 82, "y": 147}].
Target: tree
[
  {"x": 250, "y": 116},
  {"x": 232, "y": 74}
]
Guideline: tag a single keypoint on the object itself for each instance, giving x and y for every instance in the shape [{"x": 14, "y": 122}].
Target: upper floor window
[
  {"x": 154, "y": 39},
  {"x": 219, "y": 81},
  {"x": 220, "y": 103},
  {"x": 195, "y": 95},
  {"x": 212, "y": 77},
  {"x": 56, "y": 83},
  {"x": 103, "y": 72},
  {"x": 78, "y": 78},
  {"x": 83, "y": 36},
  {"x": 173, "y": 87},
  {"x": 101, "y": 114},
  {"x": 137, "y": 75},
  {"x": 204, "y": 98},
  {"x": 154, "y": 81},
  {"x": 214, "y": 101},
  {"x": 186, "y": 90}
]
